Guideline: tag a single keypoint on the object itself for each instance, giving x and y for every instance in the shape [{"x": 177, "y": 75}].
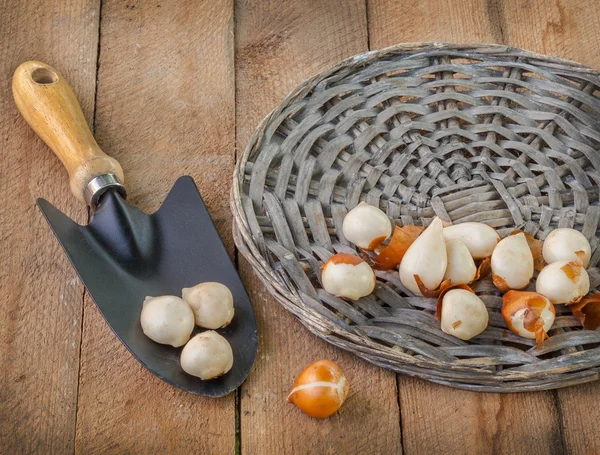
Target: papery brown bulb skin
[
  {"x": 528, "y": 314},
  {"x": 320, "y": 389}
]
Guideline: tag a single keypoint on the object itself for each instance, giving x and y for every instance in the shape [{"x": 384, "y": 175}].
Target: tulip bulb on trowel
[{"x": 426, "y": 258}]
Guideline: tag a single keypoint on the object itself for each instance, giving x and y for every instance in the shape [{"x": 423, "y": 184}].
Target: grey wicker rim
[{"x": 466, "y": 132}]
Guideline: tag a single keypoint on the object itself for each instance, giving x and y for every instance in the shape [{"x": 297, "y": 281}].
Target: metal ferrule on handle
[{"x": 100, "y": 185}]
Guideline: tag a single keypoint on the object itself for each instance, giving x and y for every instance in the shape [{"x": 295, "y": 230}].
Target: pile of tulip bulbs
[{"x": 444, "y": 262}]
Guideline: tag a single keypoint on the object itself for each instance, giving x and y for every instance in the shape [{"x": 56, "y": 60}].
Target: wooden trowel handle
[{"x": 47, "y": 103}]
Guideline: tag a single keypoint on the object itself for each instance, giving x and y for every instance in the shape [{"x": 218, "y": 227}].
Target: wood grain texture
[
  {"x": 277, "y": 46},
  {"x": 165, "y": 108},
  {"x": 569, "y": 30},
  {"x": 457, "y": 21},
  {"x": 562, "y": 28},
  {"x": 579, "y": 410},
  {"x": 41, "y": 302},
  {"x": 438, "y": 419}
]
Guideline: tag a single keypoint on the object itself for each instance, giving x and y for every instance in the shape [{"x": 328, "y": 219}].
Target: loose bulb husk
[
  {"x": 320, "y": 389},
  {"x": 425, "y": 258},
  {"x": 587, "y": 311}
]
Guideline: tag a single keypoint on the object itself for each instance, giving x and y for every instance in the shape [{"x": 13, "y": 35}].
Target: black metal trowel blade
[{"x": 124, "y": 255}]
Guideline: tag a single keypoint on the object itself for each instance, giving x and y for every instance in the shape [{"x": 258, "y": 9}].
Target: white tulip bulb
[
  {"x": 427, "y": 258},
  {"x": 212, "y": 304},
  {"x": 563, "y": 282},
  {"x": 366, "y": 226},
  {"x": 347, "y": 275},
  {"x": 479, "y": 238},
  {"x": 461, "y": 267},
  {"x": 512, "y": 263},
  {"x": 207, "y": 355},
  {"x": 562, "y": 244},
  {"x": 167, "y": 320},
  {"x": 463, "y": 314}
]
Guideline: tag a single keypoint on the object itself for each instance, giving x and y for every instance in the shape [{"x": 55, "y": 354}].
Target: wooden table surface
[{"x": 177, "y": 87}]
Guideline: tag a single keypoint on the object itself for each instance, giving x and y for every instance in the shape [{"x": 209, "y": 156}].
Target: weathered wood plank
[
  {"x": 438, "y": 419},
  {"x": 569, "y": 30},
  {"x": 277, "y": 46},
  {"x": 122, "y": 407},
  {"x": 42, "y": 299},
  {"x": 165, "y": 108}
]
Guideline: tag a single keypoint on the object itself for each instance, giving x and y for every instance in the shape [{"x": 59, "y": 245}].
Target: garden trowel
[{"x": 123, "y": 254}]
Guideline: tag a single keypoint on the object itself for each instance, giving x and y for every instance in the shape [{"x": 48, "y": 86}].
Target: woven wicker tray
[{"x": 465, "y": 132}]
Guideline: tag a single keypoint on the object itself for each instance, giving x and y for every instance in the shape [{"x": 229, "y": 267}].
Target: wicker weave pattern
[{"x": 464, "y": 132}]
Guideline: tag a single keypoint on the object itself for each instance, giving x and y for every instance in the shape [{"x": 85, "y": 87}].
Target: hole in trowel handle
[{"x": 44, "y": 76}]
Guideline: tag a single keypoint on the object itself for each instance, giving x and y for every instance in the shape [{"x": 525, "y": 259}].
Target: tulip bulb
[
  {"x": 320, "y": 390},
  {"x": 461, "y": 267},
  {"x": 167, "y": 320},
  {"x": 562, "y": 245},
  {"x": 479, "y": 238},
  {"x": 512, "y": 263},
  {"x": 462, "y": 313},
  {"x": 366, "y": 226},
  {"x": 528, "y": 314},
  {"x": 427, "y": 258},
  {"x": 347, "y": 275},
  {"x": 212, "y": 304},
  {"x": 563, "y": 282},
  {"x": 207, "y": 355}
]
